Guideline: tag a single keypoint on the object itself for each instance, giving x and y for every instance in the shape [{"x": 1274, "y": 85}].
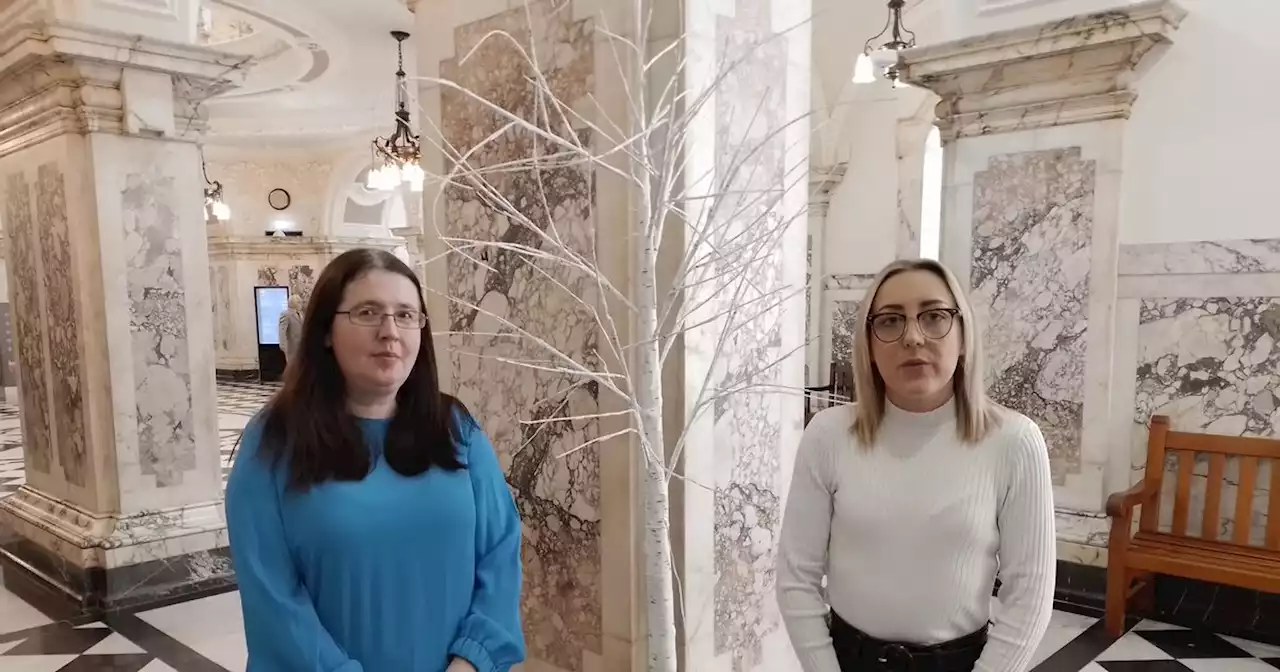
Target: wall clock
[{"x": 279, "y": 199}]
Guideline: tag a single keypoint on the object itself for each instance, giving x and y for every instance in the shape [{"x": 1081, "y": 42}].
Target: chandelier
[
  {"x": 397, "y": 159},
  {"x": 885, "y": 58},
  {"x": 213, "y": 204}
]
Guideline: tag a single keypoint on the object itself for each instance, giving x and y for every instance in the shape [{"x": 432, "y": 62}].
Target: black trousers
[{"x": 859, "y": 652}]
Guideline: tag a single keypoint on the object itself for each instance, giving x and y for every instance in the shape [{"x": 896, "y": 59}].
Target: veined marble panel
[
  {"x": 1032, "y": 226},
  {"x": 751, "y": 104},
  {"x": 1212, "y": 366},
  {"x": 64, "y": 324},
  {"x": 556, "y": 484},
  {"x": 849, "y": 280},
  {"x": 299, "y": 278},
  {"x": 158, "y": 323},
  {"x": 30, "y": 321},
  {"x": 302, "y": 279},
  {"x": 1199, "y": 257},
  {"x": 220, "y": 287},
  {"x": 844, "y": 329},
  {"x": 269, "y": 276}
]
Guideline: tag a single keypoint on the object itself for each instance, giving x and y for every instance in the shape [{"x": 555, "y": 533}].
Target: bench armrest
[
  {"x": 1121, "y": 504},
  {"x": 1120, "y": 507}
]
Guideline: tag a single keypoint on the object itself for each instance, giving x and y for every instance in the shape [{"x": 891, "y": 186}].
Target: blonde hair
[{"x": 976, "y": 414}]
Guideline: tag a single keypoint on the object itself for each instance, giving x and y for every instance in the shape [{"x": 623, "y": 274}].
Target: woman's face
[
  {"x": 376, "y": 358},
  {"x": 916, "y": 339}
]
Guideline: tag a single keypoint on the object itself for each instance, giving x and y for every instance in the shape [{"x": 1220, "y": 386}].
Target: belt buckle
[{"x": 889, "y": 651}]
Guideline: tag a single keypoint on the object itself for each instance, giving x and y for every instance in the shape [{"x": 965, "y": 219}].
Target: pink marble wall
[{"x": 556, "y": 486}]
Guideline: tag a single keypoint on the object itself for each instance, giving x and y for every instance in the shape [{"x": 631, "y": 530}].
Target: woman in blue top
[{"x": 371, "y": 526}]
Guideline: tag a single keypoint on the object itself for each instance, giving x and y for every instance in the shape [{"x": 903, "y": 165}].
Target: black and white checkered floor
[
  {"x": 205, "y": 635},
  {"x": 237, "y": 402}
]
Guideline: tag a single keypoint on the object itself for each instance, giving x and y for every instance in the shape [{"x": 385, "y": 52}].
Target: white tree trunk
[
  {"x": 659, "y": 587},
  {"x": 657, "y": 568}
]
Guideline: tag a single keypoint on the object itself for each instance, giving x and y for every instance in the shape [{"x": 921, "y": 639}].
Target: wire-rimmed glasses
[{"x": 369, "y": 316}]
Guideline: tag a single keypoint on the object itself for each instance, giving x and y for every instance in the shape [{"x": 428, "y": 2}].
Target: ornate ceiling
[{"x": 319, "y": 71}]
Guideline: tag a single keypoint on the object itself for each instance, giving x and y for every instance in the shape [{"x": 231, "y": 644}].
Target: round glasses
[
  {"x": 935, "y": 323},
  {"x": 373, "y": 317}
]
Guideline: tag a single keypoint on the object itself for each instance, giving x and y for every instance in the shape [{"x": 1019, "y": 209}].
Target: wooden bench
[{"x": 1193, "y": 552}]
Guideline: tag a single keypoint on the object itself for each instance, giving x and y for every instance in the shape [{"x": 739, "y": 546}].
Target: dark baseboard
[
  {"x": 237, "y": 375},
  {"x": 1228, "y": 610},
  {"x": 97, "y": 590}
]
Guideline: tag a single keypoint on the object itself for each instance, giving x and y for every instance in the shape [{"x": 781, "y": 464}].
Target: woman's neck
[{"x": 371, "y": 406}]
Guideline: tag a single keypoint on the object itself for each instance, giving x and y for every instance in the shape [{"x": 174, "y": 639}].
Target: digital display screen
[{"x": 272, "y": 302}]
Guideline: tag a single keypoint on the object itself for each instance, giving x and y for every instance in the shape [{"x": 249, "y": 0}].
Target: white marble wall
[
  {"x": 246, "y": 183},
  {"x": 240, "y": 264},
  {"x": 1030, "y": 222},
  {"x": 1196, "y": 331}
]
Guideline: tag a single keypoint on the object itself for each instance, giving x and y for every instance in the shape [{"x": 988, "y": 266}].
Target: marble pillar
[
  {"x": 576, "y": 604},
  {"x": 754, "y": 56},
  {"x": 584, "y": 592},
  {"x": 822, "y": 181},
  {"x": 100, "y": 191},
  {"x": 1033, "y": 121}
]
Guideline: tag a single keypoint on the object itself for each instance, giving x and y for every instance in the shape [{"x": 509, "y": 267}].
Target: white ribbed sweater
[{"x": 910, "y": 534}]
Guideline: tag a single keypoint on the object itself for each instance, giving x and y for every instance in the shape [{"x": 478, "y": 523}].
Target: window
[{"x": 931, "y": 197}]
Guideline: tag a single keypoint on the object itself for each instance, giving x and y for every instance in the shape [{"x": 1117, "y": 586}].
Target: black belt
[{"x": 859, "y": 652}]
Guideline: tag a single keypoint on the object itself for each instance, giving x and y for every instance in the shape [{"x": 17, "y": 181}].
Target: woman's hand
[{"x": 460, "y": 665}]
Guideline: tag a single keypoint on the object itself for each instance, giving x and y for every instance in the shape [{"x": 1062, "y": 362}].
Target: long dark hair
[{"x": 307, "y": 425}]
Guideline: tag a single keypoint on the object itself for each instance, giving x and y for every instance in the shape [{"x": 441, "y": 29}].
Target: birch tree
[{"x": 704, "y": 244}]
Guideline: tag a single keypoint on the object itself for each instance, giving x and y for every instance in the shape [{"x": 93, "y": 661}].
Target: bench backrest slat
[
  {"x": 1273, "y": 509},
  {"x": 1213, "y": 496},
  {"x": 1184, "y": 447},
  {"x": 1244, "y": 499}
]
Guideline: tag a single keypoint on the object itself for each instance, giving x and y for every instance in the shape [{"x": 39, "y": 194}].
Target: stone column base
[{"x": 117, "y": 561}]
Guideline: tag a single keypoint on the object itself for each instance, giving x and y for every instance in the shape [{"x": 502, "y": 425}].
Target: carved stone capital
[
  {"x": 57, "y": 79},
  {"x": 1053, "y": 74},
  {"x": 822, "y": 181}
]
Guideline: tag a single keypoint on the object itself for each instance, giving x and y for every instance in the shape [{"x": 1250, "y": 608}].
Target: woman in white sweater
[{"x": 910, "y": 500}]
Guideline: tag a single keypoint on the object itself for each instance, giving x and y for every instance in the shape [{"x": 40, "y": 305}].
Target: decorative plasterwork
[
  {"x": 57, "y": 79},
  {"x": 822, "y": 181},
  {"x": 1051, "y": 74}
]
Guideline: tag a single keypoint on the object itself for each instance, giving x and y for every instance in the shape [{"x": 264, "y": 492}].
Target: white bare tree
[{"x": 705, "y": 243}]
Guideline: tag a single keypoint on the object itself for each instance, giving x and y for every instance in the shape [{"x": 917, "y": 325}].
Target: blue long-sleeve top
[{"x": 387, "y": 574}]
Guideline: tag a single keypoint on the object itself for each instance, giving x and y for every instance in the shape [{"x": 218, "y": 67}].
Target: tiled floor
[
  {"x": 205, "y": 635},
  {"x": 237, "y": 402}
]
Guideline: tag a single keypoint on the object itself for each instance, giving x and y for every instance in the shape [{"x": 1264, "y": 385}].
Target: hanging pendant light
[
  {"x": 863, "y": 71},
  {"x": 398, "y": 157},
  {"x": 885, "y": 57},
  {"x": 214, "y": 205}
]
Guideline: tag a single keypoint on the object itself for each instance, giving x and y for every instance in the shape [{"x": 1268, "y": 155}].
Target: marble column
[
  {"x": 822, "y": 181},
  {"x": 100, "y": 193},
  {"x": 740, "y": 453},
  {"x": 1033, "y": 122},
  {"x": 584, "y": 595},
  {"x": 575, "y": 503}
]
